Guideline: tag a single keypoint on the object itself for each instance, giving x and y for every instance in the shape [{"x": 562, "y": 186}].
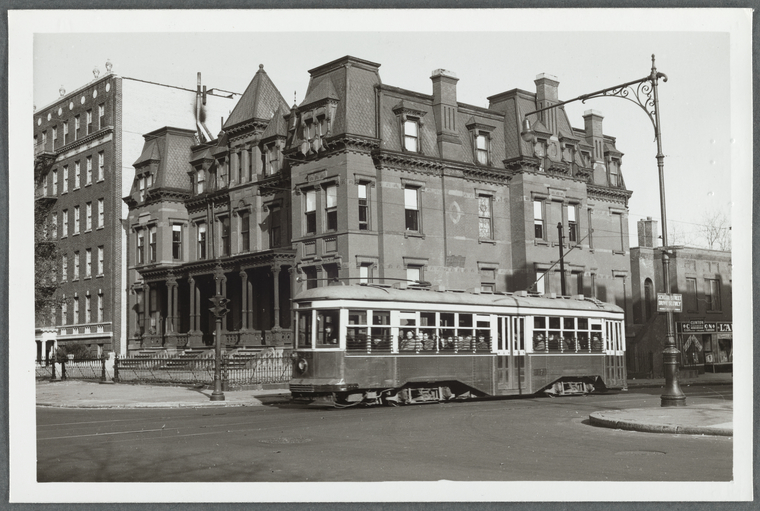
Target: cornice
[
  {"x": 619, "y": 195},
  {"x": 255, "y": 125},
  {"x": 166, "y": 195},
  {"x": 84, "y": 140},
  {"x": 487, "y": 175},
  {"x": 405, "y": 162}
]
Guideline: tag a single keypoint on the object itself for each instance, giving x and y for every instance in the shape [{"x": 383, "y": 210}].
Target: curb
[
  {"x": 661, "y": 385},
  {"x": 659, "y": 428},
  {"x": 216, "y": 404}
]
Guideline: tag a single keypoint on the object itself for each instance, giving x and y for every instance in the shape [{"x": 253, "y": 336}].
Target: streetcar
[{"x": 372, "y": 344}]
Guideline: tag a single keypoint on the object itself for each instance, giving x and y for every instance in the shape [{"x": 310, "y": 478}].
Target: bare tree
[
  {"x": 715, "y": 228},
  {"x": 677, "y": 235}
]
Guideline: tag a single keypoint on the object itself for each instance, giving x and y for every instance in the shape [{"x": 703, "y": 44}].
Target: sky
[
  {"x": 706, "y": 121},
  {"x": 694, "y": 102}
]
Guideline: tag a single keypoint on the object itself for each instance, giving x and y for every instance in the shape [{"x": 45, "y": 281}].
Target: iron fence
[
  {"x": 76, "y": 369},
  {"x": 238, "y": 369},
  {"x": 86, "y": 369},
  {"x": 44, "y": 370}
]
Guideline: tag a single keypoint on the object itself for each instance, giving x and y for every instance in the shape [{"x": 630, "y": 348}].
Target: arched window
[{"x": 648, "y": 299}]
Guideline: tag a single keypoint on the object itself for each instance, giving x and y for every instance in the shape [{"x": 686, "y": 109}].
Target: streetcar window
[
  {"x": 554, "y": 323},
  {"x": 582, "y": 323},
  {"x": 583, "y": 341},
  {"x": 357, "y": 317},
  {"x": 447, "y": 319},
  {"x": 569, "y": 324},
  {"x": 520, "y": 334},
  {"x": 356, "y": 333},
  {"x": 304, "y": 329},
  {"x": 327, "y": 329},
  {"x": 555, "y": 338},
  {"x": 381, "y": 331},
  {"x": 428, "y": 331},
  {"x": 539, "y": 334}
]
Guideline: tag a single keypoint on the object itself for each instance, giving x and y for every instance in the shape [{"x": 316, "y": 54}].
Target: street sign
[{"x": 669, "y": 303}]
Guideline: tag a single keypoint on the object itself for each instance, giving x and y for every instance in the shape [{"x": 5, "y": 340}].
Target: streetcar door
[
  {"x": 502, "y": 355},
  {"x": 510, "y": 355}
]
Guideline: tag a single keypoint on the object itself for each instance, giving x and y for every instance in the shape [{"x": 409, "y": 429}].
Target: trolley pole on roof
[
  {"x": 641, "y": 92},
  {"x": 561, "y": 259}
]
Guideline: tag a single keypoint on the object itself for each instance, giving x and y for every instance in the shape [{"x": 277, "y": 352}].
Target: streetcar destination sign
[{"x": 669, "y": 303}]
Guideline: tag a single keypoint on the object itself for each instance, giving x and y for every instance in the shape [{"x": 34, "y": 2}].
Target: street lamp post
[
  {"x": 643, "y": 92},
  {"x": 220, "y": 310}
]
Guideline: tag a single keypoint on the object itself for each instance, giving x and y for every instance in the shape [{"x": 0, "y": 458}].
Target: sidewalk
[
  {"x": 712, "y": 419},
  {"x": 85, "y": 394}
]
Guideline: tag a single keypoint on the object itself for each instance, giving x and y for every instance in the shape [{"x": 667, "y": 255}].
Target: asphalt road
[{"x": 498, "y": 440}]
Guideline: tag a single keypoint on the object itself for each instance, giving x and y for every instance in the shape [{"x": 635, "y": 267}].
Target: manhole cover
[
  {"x": 639, "y": 453},
  {"x": 285, "y": 441}
]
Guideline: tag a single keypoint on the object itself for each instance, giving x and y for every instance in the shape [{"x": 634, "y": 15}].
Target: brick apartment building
[
  {"x": 704, "y": 330},
  {"x": 366, "y": 182},
  {"x": 84, "y": 144}
]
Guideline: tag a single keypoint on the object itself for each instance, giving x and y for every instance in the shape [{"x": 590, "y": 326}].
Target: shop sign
[
  {"x": 669, "y": 302},
  {"x": 699, "y": 325}
]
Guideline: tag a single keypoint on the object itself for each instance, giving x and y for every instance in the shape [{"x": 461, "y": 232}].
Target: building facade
[
  {"x": 83, "y": 142},
  {"x": 704, "y": 328},
  {"x": 364, "y": 182}
]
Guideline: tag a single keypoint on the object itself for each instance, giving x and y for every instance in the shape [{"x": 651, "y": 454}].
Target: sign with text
[
  {"x": 698, "y": 325},
  {"x": 669, "y": 303}
]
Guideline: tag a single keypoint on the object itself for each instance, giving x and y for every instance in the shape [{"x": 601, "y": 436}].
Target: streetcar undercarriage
[{"x": 438, "y": 393}]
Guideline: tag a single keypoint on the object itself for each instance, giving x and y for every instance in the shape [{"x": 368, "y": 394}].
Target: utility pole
[{"x": 561, "y": 259}]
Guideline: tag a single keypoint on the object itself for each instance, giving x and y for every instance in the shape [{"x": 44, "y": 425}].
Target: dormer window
[
  {"x": 271, "y": 156},
  {"x": 481, "y": 148},
  {"x": 480, "y": 136},
  {"x": 200, "y": 180},
  {"x": 614, "y": 174},
  {"x": 410, "y": 126},
  {"x": 412, "y": 135}
]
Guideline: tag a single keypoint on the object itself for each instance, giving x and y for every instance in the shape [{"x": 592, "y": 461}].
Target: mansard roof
[
  {"x": 324, "y": 89},
  {"x": 150, "y": 152},
  {"x": 259, "y": 101}
]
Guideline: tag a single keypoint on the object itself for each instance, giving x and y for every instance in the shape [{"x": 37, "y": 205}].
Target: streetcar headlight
[{"x": 302, "y": 365}]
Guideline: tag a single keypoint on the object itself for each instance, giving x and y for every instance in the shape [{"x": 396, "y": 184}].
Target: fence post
[
  {"x": 63, "y": 369},
  {"x": 53, "y": 374},
  {"x": 116, "y": 369}
]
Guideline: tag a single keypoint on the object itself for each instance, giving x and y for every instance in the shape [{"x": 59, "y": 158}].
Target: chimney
[
  {"x": 547, "y": 94},
  {"x": 647, "y": 232},
  {"x": 594, "y": 136},
  {"x": 445, "y": 112}
]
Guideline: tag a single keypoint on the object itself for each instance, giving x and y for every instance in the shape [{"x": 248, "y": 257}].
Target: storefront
[{"x": 706, "y": 346}]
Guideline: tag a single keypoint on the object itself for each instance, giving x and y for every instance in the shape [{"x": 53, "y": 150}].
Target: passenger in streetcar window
[
  {"x": 447, "y": 343},
  {"x": 408, "y": 343},
  {"x": 379, "y": 344},
  {"x": 482, "y": 344},
  {"x": 427, "y": 342},
  {"x": 539, "y": 343},
  {"x": 330, "y": 336},
  {"x": 596, "y": 343}
]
